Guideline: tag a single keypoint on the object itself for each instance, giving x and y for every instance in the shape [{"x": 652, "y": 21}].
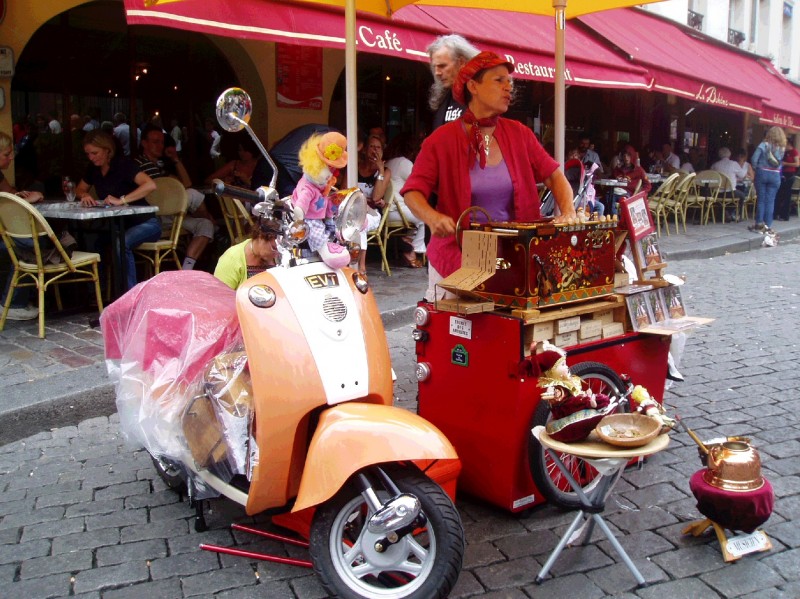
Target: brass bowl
[
  {"x": 628, "y": 430},
  {"x": 734, "y": 466}
]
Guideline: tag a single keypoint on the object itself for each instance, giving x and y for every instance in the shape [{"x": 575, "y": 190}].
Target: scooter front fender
[{"x": 352, "y": 436}]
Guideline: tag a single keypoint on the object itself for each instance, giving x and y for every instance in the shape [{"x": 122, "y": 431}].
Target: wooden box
[{"x": 543, "y": 264}]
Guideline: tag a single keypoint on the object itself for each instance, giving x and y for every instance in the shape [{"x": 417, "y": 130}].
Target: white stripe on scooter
[{"x": 338, "y": 348}]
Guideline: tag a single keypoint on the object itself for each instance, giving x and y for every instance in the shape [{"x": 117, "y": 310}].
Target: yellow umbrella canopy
[
  {"x": 572, "y": 8},
  {"x": 560, "y": 9}
]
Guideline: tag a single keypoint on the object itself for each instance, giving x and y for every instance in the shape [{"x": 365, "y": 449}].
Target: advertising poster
[{"x": 298, "y": 76}]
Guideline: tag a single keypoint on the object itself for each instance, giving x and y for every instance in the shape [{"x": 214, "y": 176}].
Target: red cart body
[{"x": 480, "y": 398}]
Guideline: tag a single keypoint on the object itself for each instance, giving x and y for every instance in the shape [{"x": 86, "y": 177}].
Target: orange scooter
[{"x": 278, "y": 396}]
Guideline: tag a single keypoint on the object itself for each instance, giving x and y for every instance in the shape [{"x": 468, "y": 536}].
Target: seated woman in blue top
[{"x": 117, "y": 181}]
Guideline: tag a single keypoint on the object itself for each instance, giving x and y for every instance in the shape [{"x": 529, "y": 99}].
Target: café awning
[
  {"x": 527, "y": 40},
  {"x": 681, "y": 61},
  {"x": 782, "y": 107}
]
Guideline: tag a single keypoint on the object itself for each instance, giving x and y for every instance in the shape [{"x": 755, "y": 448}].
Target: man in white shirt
[
  {"x": 54, "y": 125},
  {"x": 731, "y": 170},
  {"x": 586, "y": 154},
  {"x": 669, "y": 159}
]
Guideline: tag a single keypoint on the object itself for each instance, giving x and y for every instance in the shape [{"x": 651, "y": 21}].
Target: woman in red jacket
[{"x": 481, "y": 160}]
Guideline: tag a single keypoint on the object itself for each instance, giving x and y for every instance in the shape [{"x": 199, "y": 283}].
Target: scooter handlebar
[{"x": 221, "y": 188}]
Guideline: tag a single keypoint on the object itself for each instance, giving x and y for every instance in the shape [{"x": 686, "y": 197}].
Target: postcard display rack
[{"x": 479, "y": 392}]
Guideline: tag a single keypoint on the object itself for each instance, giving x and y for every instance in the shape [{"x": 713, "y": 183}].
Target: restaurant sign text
[
  {"x": 536, "y": 70},
  {"x": 711, "y": 95},
  {"x": 385, "y": 40}
]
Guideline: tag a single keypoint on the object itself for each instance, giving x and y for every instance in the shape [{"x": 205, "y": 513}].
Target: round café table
[{"x": 610, "y": 462}]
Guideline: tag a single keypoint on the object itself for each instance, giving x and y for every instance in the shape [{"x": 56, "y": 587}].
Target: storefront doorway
[{"x": 87, "y": 61}]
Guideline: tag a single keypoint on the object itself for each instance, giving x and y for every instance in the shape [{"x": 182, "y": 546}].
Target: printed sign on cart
[{"x": 461, "y": 327}]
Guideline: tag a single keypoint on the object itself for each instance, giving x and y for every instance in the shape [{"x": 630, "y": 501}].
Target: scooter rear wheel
[
  {"x": 546, "y": 475},
  {"x": 424, "y": 562}
]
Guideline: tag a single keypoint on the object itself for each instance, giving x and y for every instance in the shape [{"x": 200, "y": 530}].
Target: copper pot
[{"x": 734, "y": 466}]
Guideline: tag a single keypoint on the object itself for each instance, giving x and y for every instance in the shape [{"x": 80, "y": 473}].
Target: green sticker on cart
[{"x": 459, "y": 356}]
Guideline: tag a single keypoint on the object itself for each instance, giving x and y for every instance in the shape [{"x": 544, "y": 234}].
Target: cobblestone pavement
[{"x": 83, "y": 515}]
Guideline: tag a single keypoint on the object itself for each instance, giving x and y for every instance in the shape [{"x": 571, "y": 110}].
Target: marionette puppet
[
  {"x": 575, "y": 407},
  {"x": 642, "y": 402},
  {"x": 320, "y": 158}
]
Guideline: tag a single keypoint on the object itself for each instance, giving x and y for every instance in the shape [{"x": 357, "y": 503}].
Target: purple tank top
[{"x": 493, "y": 191}]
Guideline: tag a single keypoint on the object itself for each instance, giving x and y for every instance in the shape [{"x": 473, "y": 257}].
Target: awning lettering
[
  {"x": 385, "y": 41},
  {"x": 711, "y": 95},
  {"x": 536, "y": 70}
]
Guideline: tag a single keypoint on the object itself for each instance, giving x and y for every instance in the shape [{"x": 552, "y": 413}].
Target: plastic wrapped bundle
[{"x": 161, "y": 339}]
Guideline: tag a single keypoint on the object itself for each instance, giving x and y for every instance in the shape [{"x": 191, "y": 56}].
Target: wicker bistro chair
[
  {"x": 172, "y": 199},
  {"x": 675, "y": 204},
  {"x": 397, "y": 225},
  {"x": 657, "y": 202},
  {"x": 238, "y": 221},
  {"x": 749, "y": 204},
  {"x": 378, "y": 236},
  {"x": 20, "y": 220},
  {"x": 703, "y": 191},
  {"x": 724, "y": 199}
]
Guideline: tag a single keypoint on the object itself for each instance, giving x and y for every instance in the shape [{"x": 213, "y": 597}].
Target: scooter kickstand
[{"x": 199, "y": 518}]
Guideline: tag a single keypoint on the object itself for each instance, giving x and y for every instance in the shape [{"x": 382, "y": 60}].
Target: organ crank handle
[{"x": 465, "y": 213}]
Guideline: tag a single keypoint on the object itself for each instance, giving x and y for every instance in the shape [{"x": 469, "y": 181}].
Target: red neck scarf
[{"x": 476, "y": 139}]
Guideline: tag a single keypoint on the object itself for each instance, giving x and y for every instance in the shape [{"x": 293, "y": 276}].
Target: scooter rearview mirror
[{"x": 234, "y": 108}]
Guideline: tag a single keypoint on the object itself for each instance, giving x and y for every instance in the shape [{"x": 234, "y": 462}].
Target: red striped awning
[
  {"x": 681, "y": 61},
  {"x": 528, "y": 40}
]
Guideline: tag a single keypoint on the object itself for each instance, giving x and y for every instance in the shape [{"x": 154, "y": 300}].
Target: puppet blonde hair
[{"x": 310, "y": 161}]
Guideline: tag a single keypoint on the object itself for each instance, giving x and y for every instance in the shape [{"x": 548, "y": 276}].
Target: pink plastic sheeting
[{"x": 159, "y": 340}]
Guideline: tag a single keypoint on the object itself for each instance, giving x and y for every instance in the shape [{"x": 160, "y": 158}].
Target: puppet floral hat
[{"x": 332, "y": 149}]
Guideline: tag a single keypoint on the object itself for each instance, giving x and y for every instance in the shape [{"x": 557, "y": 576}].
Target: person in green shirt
[{"x": 250, "y": 257}]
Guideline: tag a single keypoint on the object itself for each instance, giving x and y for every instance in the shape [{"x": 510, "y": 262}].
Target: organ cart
[{"x": 521, "y": 283}]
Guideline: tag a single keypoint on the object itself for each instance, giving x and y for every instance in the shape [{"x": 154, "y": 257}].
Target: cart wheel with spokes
[{"x": 546, "y": 475}]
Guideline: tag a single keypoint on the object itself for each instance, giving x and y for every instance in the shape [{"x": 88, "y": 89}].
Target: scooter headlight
[{"x": 352, "y": 214}]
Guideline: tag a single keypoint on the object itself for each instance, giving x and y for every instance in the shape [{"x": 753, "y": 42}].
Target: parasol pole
[
  {"x": 560, "y": 7},
  {"x": 350, "y": 92}
]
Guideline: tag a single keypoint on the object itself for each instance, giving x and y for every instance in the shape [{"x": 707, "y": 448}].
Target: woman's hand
[
  {"x": 441, "y": 225},
  {"x": 87, "y": 201},
  {"x": 113, "y": 201}
]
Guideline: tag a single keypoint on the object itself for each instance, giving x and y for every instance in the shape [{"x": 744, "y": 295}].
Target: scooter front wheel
[
  {"x": 546, "y": 475},
  {"x": 423, "y": 562}
]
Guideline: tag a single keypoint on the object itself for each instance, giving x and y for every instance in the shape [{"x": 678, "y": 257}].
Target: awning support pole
[
  {"x": 350, "y": 93},
  {"x": 560, "y": 7}
]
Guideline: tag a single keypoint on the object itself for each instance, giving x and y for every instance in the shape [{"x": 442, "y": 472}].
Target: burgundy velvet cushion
[{"x": 734, "y": 510}]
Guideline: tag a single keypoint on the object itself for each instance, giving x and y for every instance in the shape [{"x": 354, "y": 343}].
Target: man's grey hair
[
  {"x": 724, "y": 152},
  {"x": 459, "y": 48}
]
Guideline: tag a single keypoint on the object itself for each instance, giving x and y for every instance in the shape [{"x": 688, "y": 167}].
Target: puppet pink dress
[{"x": 320, "y": 158}]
